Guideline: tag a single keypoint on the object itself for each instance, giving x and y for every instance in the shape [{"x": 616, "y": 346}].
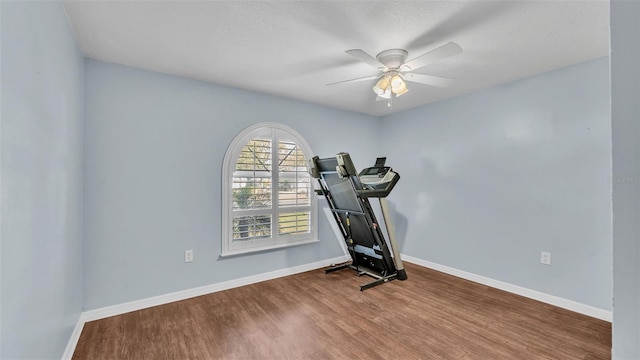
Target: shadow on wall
[
  {"x": 431, "y": 189},
  {"x": 401, "y": 224}
]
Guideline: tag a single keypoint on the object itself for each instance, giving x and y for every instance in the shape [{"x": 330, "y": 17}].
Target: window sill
[{"x": 233, "y": 253}]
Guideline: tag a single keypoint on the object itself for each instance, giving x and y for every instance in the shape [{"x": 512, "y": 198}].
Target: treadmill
[{"x": 348, "y": 193}]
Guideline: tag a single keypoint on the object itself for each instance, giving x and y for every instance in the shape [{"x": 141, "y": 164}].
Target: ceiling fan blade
[
  {"x": 355, "y": 80},
  {"x": 364, "y": 57},
  {"x": 447, "y": 50},
  {"x": 428, "y": 79}
]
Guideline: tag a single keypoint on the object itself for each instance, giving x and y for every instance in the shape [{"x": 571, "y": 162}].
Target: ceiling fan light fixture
[
  {"x": 402, "y": 90},
  {"x": 381, "y": 86},
  {"x": 398, "y": 86},
  {"x": 396, "y": 82},
  {"x": 386, "y": 94}
]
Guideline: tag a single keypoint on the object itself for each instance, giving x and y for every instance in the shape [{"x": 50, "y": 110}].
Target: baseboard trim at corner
[
  {"x": 515, "y": 289},
  {"x": 73, "y": 340}
]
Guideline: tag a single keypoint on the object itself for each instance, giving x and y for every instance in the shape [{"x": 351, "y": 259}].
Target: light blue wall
[
  {"x": 154, "y": 146},
  {"x": 41, "y": 164},
  {"x": 491, "y": 179},
  {"x": 625, "y": 114}
]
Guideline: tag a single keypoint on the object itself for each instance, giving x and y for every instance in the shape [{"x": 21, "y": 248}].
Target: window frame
[{"x": 273, "y": 131}]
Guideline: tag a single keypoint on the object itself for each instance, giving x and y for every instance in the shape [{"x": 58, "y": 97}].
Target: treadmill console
[{"x": 378, "y": 180}]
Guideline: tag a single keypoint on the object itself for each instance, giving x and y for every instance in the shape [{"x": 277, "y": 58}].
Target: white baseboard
[
  {"x": 73, "y": 340},
  {"x": 119, "y": 309},
  {"x": 515, "y": 289}
]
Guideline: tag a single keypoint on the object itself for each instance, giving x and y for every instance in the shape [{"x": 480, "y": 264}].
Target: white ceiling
[{"x": 295, "y": 48}]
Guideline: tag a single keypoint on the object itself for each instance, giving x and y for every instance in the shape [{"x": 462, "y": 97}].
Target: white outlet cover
[{"x": 545, "y": 258}]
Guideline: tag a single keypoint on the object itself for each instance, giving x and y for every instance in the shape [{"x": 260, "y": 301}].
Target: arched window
[{"x": 268, "y": 199}]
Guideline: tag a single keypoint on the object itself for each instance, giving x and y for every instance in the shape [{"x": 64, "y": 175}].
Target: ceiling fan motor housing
[{"x": 393, "y": 58}]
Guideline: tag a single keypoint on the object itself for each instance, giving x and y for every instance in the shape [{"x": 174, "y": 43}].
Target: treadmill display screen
[{"x": 375, "y": 171}]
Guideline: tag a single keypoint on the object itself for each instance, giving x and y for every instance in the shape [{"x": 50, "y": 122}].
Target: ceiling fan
[{"x": 395, "y": 71}]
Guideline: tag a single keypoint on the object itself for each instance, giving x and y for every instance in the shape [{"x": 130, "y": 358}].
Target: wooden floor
[{"x": 316, "y": 316}]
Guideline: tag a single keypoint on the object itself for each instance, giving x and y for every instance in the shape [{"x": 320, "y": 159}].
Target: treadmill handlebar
[
  {"x": 313, "y": 167},
  {"x": 345, "y": 165}
]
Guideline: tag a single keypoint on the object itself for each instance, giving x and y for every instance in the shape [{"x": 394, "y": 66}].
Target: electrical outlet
[
  {"x": 188, "y": 256},
  {"x": 545, "y": 258}
]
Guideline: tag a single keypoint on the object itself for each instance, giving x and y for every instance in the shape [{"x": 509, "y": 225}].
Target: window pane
[
  {"x": 294, "y": 223},
  {"x": 251, "y": 227},
  {"x": 255, "y": 156},
  {"x": 294, "y": 184},
  {"x": 251, "y": 193},
  {"x": 252, "y": 176}
]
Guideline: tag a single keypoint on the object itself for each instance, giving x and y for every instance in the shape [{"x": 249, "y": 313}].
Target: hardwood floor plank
[{"x": 316, "y": 316}]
